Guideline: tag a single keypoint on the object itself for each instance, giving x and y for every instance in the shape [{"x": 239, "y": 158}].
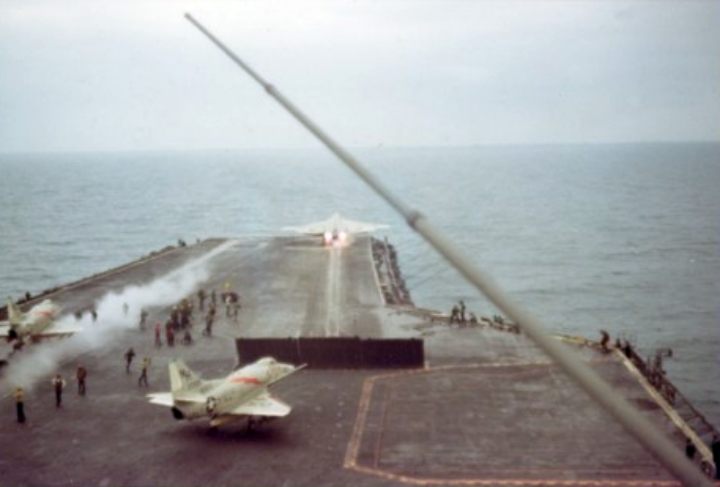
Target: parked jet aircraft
[
  {"x": 36, "y": 324},
  {"x": 241, "y": 395},
  {"x": 336, "y": 230}
]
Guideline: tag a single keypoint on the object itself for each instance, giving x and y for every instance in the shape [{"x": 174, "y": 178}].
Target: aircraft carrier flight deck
[{"x": 482, "y": 407}]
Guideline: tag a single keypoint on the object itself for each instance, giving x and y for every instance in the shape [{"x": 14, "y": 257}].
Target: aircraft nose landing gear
[{"x": 211, "y": 405}]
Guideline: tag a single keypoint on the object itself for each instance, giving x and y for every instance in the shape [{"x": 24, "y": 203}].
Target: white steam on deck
[{"x": 40, "y": 361}]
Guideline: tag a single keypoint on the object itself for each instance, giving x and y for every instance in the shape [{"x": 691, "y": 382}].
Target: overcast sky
[{"x": 124, "y": 75}]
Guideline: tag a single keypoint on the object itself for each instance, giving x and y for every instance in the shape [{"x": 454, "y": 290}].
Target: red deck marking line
[{"x": 519, "y": 482}]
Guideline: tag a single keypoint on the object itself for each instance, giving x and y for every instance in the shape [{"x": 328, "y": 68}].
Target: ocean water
[{"x": 624, "y": 238}]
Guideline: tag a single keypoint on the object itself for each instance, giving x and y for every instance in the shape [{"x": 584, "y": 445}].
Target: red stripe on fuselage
[{"x": 245, "y": 380}]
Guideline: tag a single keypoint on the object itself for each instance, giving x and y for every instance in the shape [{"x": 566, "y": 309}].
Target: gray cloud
[{"x": 121, "y": 75}]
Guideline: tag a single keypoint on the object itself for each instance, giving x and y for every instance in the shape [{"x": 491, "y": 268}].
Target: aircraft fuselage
[
  {"x": 224, "y": 396},
  {"x": 33, "y": 323}
]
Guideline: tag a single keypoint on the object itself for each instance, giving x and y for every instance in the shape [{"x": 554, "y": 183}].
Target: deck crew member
[
  {"x": 129, "y": 356},
  {"x": 58, "y": 384},
  {"x": 454, "y": 314},
  {"x": 604, "y": 341},
  {"x": 690, "y": 449},
  {"x": 158, "y": 332},
  {"x": 20, "y": 404},
  {"x": 170, "y": 334},
  {"x": 143, "y": 318},
  {"x": 201, "y": 299},
  {"x": 209, "y": 319},
  {"x": 235, "y": 304},
  {"x": 715, "y": 447},
  {"x": 143, "y": 373},
  {"x": 226, "y": 299},
  {"x": 174, "y": 317},
  {"x": 81, "y": 375}
]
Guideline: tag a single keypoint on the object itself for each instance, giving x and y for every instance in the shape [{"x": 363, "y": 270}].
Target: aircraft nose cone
[{"x": 283, "y": 370}]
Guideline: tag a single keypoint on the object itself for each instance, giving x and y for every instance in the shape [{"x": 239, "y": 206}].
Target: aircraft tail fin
[
  {"x": 15, "y": 315},
  {"x": 182, "y": 378}
]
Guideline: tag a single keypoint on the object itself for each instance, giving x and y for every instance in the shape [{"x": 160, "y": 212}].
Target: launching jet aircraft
[
  {"x": 336, "y": 230},
  {"x": 36, "y": 324},
  {"x": 241, "y": 395}
]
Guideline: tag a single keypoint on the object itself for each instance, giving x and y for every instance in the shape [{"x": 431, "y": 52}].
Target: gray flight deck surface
[{"x": 489, "y": 409}]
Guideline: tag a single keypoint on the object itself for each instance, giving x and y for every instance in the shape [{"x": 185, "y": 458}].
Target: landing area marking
[{"x": 402, "y": 436}]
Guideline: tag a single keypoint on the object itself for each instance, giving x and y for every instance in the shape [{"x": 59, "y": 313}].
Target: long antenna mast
[{"x": 584, "y": 376}]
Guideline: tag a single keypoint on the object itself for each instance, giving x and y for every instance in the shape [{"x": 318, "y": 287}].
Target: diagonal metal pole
[{"x": 640, "y": 427}]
